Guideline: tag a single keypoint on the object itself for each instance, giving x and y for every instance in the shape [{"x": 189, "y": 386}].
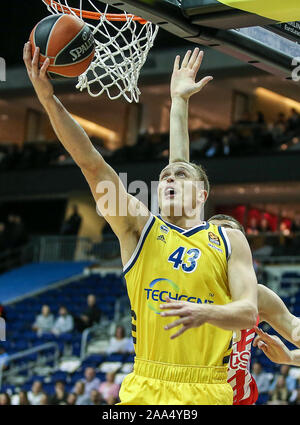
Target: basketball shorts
[{"x": 153, "y": 383}]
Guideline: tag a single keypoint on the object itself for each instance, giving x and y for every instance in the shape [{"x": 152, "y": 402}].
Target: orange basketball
[{"x": 67, "y": 41}]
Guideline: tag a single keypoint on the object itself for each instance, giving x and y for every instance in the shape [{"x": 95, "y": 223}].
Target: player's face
[{"x": 179, "y": 190}]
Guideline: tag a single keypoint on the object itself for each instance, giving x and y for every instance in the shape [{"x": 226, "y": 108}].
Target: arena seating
[{"x": 21, "y": 316}]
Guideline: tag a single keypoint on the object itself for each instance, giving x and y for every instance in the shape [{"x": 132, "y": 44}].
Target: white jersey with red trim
[{"x": 239, "y": 376}]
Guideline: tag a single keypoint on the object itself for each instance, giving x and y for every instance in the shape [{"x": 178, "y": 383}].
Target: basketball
[{"x": 67, "y": 41}]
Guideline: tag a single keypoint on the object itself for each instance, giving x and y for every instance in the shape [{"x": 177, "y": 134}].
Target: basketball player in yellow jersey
[{"x": 178, "y": 256}]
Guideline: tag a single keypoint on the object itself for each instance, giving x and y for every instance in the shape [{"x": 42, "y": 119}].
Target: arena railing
[{"x": 13, "y": 370}]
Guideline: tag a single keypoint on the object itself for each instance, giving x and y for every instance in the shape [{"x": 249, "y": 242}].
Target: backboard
[{"x": 258, "y": 40}]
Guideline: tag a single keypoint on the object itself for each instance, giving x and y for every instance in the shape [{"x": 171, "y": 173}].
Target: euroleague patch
[{"x": 214, "y": 238}]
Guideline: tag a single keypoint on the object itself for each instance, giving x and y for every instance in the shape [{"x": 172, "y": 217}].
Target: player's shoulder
[{"x": 235, "y": 235}]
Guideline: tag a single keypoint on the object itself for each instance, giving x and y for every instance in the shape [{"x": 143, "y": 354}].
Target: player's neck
[{"x": 183, "y": 222}]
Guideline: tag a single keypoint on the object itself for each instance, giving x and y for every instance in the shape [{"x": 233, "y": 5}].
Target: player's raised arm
[
  {"x": 183, "y": 86},
  {"x": 91, "y": 163}
]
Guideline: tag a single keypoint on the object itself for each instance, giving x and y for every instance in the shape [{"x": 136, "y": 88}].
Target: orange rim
[{"x": 96, "y": 15}]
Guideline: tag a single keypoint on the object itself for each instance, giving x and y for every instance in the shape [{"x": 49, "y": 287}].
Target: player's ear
[{"x": 203, "y": 195}]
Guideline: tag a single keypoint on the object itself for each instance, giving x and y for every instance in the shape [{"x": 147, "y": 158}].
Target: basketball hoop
[{"x": 122, "y": 43}]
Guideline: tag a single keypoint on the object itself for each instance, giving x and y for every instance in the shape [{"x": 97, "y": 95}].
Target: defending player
[
  {"x": 166, "y": 255},
  {"x": 271, "y": 309}
]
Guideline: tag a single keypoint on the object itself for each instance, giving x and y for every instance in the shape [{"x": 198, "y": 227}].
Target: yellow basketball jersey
[{"x": 188, "y": 265}]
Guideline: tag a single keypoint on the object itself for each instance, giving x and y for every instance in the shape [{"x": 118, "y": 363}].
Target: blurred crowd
[
  {"x": 246, "y": 136},
  {"x": 282, "y": 241},
  {"x": 87, "y": 391},
  {"x": 90, "y": 389},
  {"x": 282, "y": 387}
]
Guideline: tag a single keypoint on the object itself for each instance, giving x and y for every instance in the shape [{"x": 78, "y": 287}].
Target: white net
[{"x": 121, "y": 49}]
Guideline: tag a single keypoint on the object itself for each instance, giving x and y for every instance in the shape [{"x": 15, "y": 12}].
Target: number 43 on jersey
[{"x": 191, "y": 259}]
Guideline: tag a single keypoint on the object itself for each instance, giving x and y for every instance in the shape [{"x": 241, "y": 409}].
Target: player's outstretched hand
[
  {"x": 190, "y": 315},
  {"x": 183, "y": 82},
  {"x": 38, "y": 77},
  {"x": 272, "y": 346}
]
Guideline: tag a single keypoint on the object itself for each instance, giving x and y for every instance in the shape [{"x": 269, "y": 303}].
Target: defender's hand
[
  {"x": 38, "y": 77},
  {"x": 191, "y": 315},
  {"x": 183, "y": 78},
  {"x": 273, "y": 347}
]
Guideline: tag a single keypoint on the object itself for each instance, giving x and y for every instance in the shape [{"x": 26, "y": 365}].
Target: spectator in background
[
  {"x": 252, "y": 229},
  {"x": 291, "y": 382},
  {"x": 16, "y": 233},
  {"x": 295, "y": 397},
  {"x": 96, "y": 399},
  {"x": 72, "y": 224},
  {"x": 4, "y": 358},
  {"x": 284, "y": 229},
  {"x": 279, "y": 127},
  {"x": 82, "y": 398},
  {"x": 72, "y": 399},
  {"x": 90, "y": 381},
  {"x": 5, "y": 399},
  {"x": 64, "y": 323},
  {"x": 60, "y": 396},
  {"x": 44, "y": 322},
  {"x": 90, "y": 316},
  {"x": 112, "y": 400},
  {"x": 264, "y": 225},
  {"x": 36, "y": 393},
  {"x": 119, "y": 342},
  {"x": 262, "y": 378},
  {"x": 294, "y": 120},
  {"x": 44, "y": 399},
  {"x": 23, "y": 399},
  {"x": 280, "y": 394},
  {"x": 109, "y": 388},
  {"x": 296, "y": 224}
]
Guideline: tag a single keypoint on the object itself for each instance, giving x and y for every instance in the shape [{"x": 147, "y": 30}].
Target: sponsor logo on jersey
[
  {"x": 164, "y": 228},
  {"x": 161, "y": 238},
  {"x": 240, "y": 360},
  {"x": 172, "y": 292},
  {"x": 214, "y": 238}
]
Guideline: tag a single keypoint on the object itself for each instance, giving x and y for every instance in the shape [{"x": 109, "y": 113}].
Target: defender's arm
[
  {"x": 272, "y": 310},
  {"x": 183, "y": 86}
]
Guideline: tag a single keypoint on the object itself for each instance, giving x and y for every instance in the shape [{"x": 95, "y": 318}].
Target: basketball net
[{"x": 122, "y": 44}]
